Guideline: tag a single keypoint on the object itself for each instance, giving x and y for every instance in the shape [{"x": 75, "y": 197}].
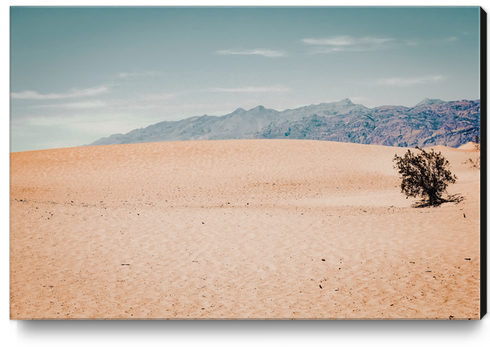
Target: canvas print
[{"x": 246, "y": 163}]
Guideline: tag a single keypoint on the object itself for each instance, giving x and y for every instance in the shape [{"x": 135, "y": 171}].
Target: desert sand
[{"x": 258, "y": 229}]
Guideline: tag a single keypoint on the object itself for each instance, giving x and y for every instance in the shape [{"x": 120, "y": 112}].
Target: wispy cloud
[
  {"x": 88, "y": 104},
  {"x": 146, "y": 101},
  {"x": 451, "y": 39},
  {"x": 347, "y": 43},
  {"x": 75, "y": 105},
  {"x": 137, "y": 74},
  {"x": 270, "y": 89},
  {"x": 404, "y": 82},
  {"x": 33, "y": 95},
  {"x": 95, "y": 124},
  {"x": 412, "y": 42},
  {"x": 264, "y": 52},
  {"x": 159, "y": 97}
]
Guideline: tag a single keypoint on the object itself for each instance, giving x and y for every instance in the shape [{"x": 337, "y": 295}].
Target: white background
[{"x": 212, "y": 333}]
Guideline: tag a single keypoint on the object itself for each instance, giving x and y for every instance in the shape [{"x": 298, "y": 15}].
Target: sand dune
[
  {"x": 237, "y": 229},
  {"x": 469, "y": 146}
]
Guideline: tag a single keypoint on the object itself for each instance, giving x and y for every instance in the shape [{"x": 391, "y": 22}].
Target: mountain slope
[{"x": 431, "y": 122}]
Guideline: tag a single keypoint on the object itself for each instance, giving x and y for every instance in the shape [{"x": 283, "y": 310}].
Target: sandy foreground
[{"x": 237, "y": 229}]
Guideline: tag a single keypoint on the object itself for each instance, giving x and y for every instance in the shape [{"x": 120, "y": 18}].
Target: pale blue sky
[{"x": 78, "y": 74}]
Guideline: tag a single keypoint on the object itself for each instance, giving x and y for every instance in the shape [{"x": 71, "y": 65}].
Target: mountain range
[{"x": 431, "y": 122}]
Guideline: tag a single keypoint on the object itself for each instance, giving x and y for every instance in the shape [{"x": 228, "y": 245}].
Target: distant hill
[
  {"x": 428, "y": 101},
  {"x": 431, "y": 122}
]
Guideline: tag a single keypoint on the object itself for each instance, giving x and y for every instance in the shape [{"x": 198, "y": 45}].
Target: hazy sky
[{"x": 79, "y": 74}]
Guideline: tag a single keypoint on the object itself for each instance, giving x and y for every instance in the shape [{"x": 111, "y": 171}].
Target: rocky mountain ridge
[{"x": 431, "y": 122}]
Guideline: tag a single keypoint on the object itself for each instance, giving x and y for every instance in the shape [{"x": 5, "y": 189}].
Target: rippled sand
[{"x": 237, "y": 229}]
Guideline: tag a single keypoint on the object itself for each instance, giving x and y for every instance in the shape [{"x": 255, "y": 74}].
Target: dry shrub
[{"x": 426, "y": 175}]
